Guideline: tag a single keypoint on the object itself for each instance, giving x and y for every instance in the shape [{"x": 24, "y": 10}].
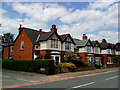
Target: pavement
[{"x": 13, "y": 79}]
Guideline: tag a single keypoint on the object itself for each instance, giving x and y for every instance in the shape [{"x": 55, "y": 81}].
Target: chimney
[
  {"x": 20, "y": 28},
  {"x": 104, "y": 41},
  {"x": 84, "y": 37},
  {"x": 53, "y": 28},
  {"x": 40, "y": 30}
]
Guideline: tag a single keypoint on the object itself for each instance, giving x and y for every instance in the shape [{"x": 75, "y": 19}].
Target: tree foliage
[
  {"x": 7, "y": 39},
  {"x": 116, "y": 59}
]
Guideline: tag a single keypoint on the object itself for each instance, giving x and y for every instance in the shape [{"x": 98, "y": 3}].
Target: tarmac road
[{"x": 104, "y": 78}]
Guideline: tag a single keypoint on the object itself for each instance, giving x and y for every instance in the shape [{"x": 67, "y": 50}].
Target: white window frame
[
  {"x": 88, "y": 49},
  {"x": 54, "y": 44},
  {"x": 22, "y": 45},
  {"x": 11, "y": 49},
  {"x": 67, "y": 45}
]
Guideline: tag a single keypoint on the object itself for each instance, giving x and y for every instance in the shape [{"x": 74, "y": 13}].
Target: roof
[
  {"x": 117, "y": 46},
  {"x": 40, "y": 35},
  {"x": 81, "y": 43},
  {"x": 105, "y": 45},
  {"x": 64, "y": 37},
  {"x": 37, "y": 36}
]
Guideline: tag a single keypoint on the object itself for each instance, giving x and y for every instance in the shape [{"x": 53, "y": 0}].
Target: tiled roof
[
  {"x": 105, "y": 45},
  {"x": 43, "y": 36},
  {"x": 64, "y": 36},
  {"x": 117, "y": 46},
  {"x": 80, "y": 43},
  {"x": 33, "y": 35}
]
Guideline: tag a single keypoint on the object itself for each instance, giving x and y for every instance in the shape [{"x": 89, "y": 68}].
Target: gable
[
  {"x": 68, "y": 39},
  {"x": 54, "y": 36}
]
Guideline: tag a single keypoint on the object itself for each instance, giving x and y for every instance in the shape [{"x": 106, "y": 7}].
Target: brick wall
[
  {"x": 5, "y": 53},
  {"x": 25, "y": 54}
]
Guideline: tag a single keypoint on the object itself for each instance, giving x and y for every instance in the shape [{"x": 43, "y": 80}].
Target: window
[
  {"x": 54, "y": 43},
  {"x": 67, "y": 46},
  {"x": 89, "y": 49},
  {"x": 96, "y": 49},
  {"x": 22, "y": 46},
  {"x": 108, "y": 51},
  {"x": 37, "y": 46},
  {"x": 11, "y": 49}
]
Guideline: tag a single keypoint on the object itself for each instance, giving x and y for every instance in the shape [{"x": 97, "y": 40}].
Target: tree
[
  {"x": 116, "y": 59},
  {"x": 69, "y": 56},
  {"x": 7, "y": 39}
]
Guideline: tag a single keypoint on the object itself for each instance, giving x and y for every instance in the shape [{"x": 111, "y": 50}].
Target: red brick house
[
  {"x": 93, "y": 51},
  {"x": 30, "y": 44}
]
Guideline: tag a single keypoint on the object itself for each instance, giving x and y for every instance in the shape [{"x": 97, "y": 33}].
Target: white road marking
[
  {"x": 4, "y": 76},
  {"x": 25, "y": 80},
  {"x": 80, "y": 86},
  {"x": 83, "y": 85},
  {"x": 111, "y": 77}
]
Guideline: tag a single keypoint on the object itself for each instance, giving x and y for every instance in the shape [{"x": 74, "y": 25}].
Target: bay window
[
  {"x": 54, "y": 43},
  {"x": 67, "y": 46},
  {"x": 88, "y": 48}
]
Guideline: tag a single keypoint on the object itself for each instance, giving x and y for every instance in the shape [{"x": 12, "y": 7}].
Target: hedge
[{"x": 39, "y": 66}]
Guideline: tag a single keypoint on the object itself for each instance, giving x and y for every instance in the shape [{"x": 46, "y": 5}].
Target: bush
[
  {"x": 87, "y": 63},
  {"x": 80, "y": 63},
  {"x": 116, "y": 59},
  {"x": 30, "y": 65},
  {"x": 68, "y": 65},
  {"x": 47, "y": 56}
]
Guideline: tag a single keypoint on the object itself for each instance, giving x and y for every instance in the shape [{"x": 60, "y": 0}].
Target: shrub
[
  {"x": 69, "y": 56},
  {"x": 68, "y": 65},
  {"x": 87, "y": 63},
  {"x": 47, "y": 56},
  {"x": 116, "y": 59},
  {"x": 30, "y": 65}
]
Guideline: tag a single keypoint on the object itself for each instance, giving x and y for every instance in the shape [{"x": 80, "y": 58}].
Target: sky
[{"x": 96, "y": 19}]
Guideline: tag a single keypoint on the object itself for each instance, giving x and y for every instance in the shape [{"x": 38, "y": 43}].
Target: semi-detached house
[{"x": 30, "y": 44}]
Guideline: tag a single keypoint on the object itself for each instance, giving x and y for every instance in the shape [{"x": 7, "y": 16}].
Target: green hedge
[{"x": 30, "y": 65}]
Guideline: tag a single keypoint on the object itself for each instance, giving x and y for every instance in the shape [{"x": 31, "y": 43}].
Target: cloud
[
  {"x": 96, "y": 17},
  {"x": 110, "y": 36}
]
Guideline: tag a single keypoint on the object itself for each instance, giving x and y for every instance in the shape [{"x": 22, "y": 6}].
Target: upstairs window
[
  {"x": 22, "y": 46},
  {"x": 54, "y": 43},
  {"x": 96, "y": 49},
  {"x": 67, "y": 46},
  {"x": 108, "y": 51},
  {"x": 88, "y": 49},
  {"x": 11, "y": 49}
]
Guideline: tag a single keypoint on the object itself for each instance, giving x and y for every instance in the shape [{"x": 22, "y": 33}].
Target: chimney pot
[
  {"x": 40, "y": 30},
  {"x": 84, "y": 37},
  {"x": 53, "y": 28}
]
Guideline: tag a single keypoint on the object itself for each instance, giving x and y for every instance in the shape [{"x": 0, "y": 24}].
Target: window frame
[
  {"x": 22, "y": 45},
  {"x": 68, "y": 45}
]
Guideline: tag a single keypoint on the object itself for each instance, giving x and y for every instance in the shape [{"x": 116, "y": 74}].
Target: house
[
  {"x": 84, "y": 48},
  {"x": 117, "y": 49},
  {"x": 31, "y": 44},
  {"x": 97, "y": 52}
]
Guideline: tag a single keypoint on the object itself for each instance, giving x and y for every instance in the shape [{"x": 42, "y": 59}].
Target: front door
[{"x": 56, "y": 58}]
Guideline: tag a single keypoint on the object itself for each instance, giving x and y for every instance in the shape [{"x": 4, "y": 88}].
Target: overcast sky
[{"x": 96, "y": 19}]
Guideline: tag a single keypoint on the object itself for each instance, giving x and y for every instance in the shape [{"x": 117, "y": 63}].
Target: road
[{"x": 106, "y": 79}]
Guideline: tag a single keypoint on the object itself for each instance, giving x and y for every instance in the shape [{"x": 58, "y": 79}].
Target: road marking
[
  {"x": 111, "y": 77},
  {"x": 26, "y": 80},
  {"x": 83, "y": 85},
  {"x": 53, "y": 80},
  {"x": 4, "y": 76},
  {"x": 21, "y": 79},
  {"x": 80, "y": 86}
]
